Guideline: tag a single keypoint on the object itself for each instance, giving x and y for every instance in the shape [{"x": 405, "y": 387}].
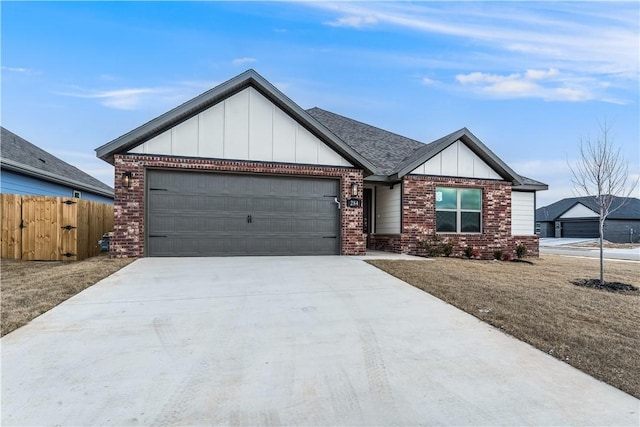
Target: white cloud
[
  {"x": 354, "y": 21},
  {"x": 120, "y": 99},
  {"x": 429, "y": 82},
  {"x": 140, "y": 98},
  {"x": 243, "y": 61},
  {"x": 20, "y": 70},
  {"x": 549, "y": 85},
  {"x": 541, "y": 74}
]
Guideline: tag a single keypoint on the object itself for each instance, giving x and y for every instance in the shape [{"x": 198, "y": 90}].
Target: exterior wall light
[
  {"x": 354, "y": 189},
  {"x": 126, "y": 179}
]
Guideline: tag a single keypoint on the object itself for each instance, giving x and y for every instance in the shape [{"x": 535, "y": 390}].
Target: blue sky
[{"x": 529, "y": 79}]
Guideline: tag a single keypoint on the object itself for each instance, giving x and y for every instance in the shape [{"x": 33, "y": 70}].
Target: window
[
  {"x": 458, "y": 210},
  {"x": 77, "y": 194}
]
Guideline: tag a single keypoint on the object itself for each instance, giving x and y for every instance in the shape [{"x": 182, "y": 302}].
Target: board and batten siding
[
  {"x": 522, "y": 213},
  {"x": 387, "y": 210},
  {"x": 245, "y": 126},
  {"x": 457, "y": 160}
]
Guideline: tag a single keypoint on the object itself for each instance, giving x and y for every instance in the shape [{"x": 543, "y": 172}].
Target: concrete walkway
[{"x": 283, "y": 341}]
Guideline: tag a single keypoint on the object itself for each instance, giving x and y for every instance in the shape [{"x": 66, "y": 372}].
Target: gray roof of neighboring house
[
  {"x": 19, "y": 155},
  {"x": 629, "y": 210}
]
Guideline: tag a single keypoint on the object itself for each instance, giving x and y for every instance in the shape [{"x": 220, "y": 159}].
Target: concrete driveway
[{"x": 283, "y": 341}]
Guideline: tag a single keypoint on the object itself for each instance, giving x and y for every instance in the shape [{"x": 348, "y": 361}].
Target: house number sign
[{"x": 354, "y": 203}]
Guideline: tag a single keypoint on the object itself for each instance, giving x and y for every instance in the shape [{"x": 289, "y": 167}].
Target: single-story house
[
  {"x": 578, "y": 217},
  {"x": 29, "y": 170},
  {"x": 243, "y": 170}
]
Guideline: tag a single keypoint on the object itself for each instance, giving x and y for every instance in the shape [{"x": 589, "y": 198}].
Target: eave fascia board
[
  {"x": 384, "y": 179},
  {"x": 530, "y": 187},
  {"x": 51, "y": 177}
]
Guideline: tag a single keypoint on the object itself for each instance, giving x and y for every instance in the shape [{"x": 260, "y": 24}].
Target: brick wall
[
  {"x": 128, "y": 236},
  {"x": 419, "y": 219}
]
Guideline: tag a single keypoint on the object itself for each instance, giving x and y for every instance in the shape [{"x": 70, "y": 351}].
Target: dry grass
[
  {"x": 30, "y": 288},
  {"x": 596, "y": 331}
]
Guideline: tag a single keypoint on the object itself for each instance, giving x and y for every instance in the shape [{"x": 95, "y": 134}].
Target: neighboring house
[
  {"x": 243, "y": 170},
  {"x": 578, "y": 217},
  {"x": 29, "y": 170}
]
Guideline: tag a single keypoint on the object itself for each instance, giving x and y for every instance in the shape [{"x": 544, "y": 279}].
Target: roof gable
[
  {"x": 579, "y": 211},
  {"x": 457, "y": 160},
  {"x": 197, "y": 105},
  {"x": 244, "y": 126},
  {"x": 21, "y": 156},
  {"x": 427, "y": 152}
]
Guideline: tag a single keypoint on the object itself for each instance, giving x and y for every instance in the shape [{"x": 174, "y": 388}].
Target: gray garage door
[
  {"x": 211, "y": 214},
  {"x": 580, "y": 229}
]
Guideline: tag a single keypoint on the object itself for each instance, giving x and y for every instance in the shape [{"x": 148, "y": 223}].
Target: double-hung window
[{"x": 458, "y": 210}]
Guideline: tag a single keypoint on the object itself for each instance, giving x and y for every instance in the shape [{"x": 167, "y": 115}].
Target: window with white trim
[{"x": 458, "y": 210}]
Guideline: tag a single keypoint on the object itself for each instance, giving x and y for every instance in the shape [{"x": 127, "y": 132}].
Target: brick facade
[
  {"x": 129, "y": 209},
  {"x": 419, "y": 219}
]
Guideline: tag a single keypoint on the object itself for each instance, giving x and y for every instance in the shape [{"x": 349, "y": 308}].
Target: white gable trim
[
  {"x": 245, "y": 126},
  {"x": 579, "y": 211},
  {"x": 457, "y": 160}
]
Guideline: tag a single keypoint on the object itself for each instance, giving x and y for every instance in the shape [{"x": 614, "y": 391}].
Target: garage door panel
[
  {"x": 580, "y": 229},
  {"x": 208, "y": 214}
]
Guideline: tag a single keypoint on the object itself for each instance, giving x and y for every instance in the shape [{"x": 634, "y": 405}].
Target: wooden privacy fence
[{"x": 52, "y": 228}]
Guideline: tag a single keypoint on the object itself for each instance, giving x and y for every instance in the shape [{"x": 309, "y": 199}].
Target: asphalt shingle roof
[
  {"x": 386, "y": 150},
  {"x": 20, "y": 152},
  {"x": 630, "y": 209}
]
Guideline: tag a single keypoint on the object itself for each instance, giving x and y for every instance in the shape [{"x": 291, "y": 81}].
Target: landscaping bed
[
  {"x": 595, "y": 330},
  {"x": 30, "y": 288}
]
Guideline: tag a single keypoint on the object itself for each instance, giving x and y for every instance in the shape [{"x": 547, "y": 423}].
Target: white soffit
[
  {"x": 457, "y": 160},
  {"x": 579, "y": 211},
  {"x": 245, "y": 126}
]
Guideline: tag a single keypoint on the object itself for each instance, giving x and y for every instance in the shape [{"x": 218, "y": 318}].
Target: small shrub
[
  {"x": 521, "y": 250},
  {"x": 506, "y": 257},
  {"x": 447, "y": 249},
  {"x": 475, "y": 253},
  {"x": 468, "y": 251},
  {"x": 497, "y": 254},
  {"x": 435, "y": 247}
]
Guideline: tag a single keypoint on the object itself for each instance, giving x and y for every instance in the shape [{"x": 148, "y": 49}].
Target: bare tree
[{"x": 602, "y": 173}]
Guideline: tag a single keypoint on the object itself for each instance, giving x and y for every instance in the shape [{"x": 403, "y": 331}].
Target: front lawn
[
  {"x": 596, "y": 331},
  {"x": 30, "y": 288}
]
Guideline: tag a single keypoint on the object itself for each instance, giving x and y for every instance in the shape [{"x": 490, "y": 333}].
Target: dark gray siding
[
  {"x": 622, "y": 231},
  {"x": 546, "y": 229}
]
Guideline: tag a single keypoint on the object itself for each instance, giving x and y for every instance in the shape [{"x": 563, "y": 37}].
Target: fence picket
[{"x": 44, "y": 234}]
